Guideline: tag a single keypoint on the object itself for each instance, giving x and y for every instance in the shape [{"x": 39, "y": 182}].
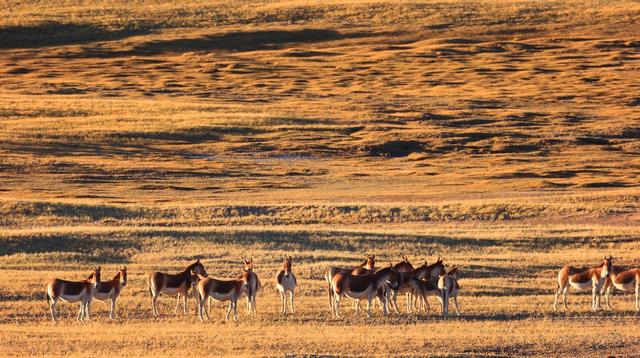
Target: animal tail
[{"x": 330, "y": 292}]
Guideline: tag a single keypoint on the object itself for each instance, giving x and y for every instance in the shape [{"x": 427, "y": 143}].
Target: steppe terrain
[{"x": 501, "y": 135}]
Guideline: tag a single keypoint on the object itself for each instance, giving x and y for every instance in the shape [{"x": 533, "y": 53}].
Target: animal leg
[
  {"x": 564, "y": 297},
  {"x": 52, "y": 308},
  {"x": 87, "y": 308},
  {"x": 154, "y": 305},
  {"x": 235, "y": 311},
  {"x": 185, "y": 303},
  {"x": 291, "y": 301},
  {"x": 455, "y": 301},
  {"x": 283, "y": 302},
  {"x": 177, "y": 304},
  {"x": 112, "y": 313},
  {"x": 229, "y": 311},
  {"x": 81, "y": 312}
]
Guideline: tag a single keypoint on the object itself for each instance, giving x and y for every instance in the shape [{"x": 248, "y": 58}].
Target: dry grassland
[{"x": 502, "y": 135}]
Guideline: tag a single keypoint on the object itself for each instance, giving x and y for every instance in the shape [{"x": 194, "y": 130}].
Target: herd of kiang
[{"x": 362, "y": 282}]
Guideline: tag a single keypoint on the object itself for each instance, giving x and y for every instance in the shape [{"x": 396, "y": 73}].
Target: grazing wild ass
[
  {"x": 583, "y": 280},
  {"x": 254, "y": 285},
  {"x": 110, "y": 290},
  {"x": 73, "y": 291},
  {"x": 449, "y": 287},
  {"x": 221, "y": 290},
  {"x": 174, "y": 284},
  {"x": 363, "y": 287},
  {"x": 286, "y": 284},
  {"x": 626, "y": 281}
]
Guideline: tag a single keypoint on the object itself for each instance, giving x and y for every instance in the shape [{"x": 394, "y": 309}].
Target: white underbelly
[
  {"x": 356, "y": 294},
  {"x": 220, "y": 297},
  {"x": 581, "y": 286},
  {"x": 286, "y": 286},
  {"x": 172, "y": 291},
  {"x": 69, "y": 298},
  {"x": 102, "y": 296},
  {"x": 631, "y": 286}
]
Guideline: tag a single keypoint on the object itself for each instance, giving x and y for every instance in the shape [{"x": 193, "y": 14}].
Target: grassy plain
[{"x": 501, "y": 135}]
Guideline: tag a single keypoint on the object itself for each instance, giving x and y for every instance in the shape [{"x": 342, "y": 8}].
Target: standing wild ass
[
  {"x": 221, "y": 290},
  {"x": 254, "y": 285},
  {"x": 583, "y": 280},
  {"x": 174, "y": 284},
  {"x": 110, "y": 290},
  {"x": 73, "y": 291},
  {"x": 286, "y": 284},
  {"x": 626, "y": 281}
]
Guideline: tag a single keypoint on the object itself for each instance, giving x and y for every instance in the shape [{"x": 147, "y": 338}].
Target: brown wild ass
[
  {"x": 626, "y": 281},
  {"x": 583, "y": 280},
  {"x": 423, "y": 272},
  {"x": 254, "y": 285},
  {"x": 221, "y": 290},
  {"x": 73, "y": 291},
  {"x": 174, "y": 284},
  {"x": 363, "y": 287},
  {"x": 421, "y": 289},
  {"x": 286, "y": 284},
  {"x": 366, "y": 267},
  {"x": 110, "y": 290}
]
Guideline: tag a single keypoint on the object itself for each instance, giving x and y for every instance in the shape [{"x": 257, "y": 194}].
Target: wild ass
[
  {"x": 363, "y": 287},
  {"x": 254, "y": 285},
  {"x": 583, "y": 280},
  {"x": 110, "y": 290},
  {"x": 449, "y": 287},
  {"x": 405, "y": 271},
  {"x": 174, "y": 284},
  {"x": 422, "y": 289},
  {"x": 366, "y": 267},
  {"x": 221, "y": 290},
  {"x": 73, "y": 291},
  {"x": 286, "y": 284},
  {"x": 626, "y": 281},
  {"x": 423, "y": 272}
]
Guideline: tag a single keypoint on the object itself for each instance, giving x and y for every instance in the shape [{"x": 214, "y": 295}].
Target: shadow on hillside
[
  {"x": 94, "y": 248},
  {"x": 246, "y": 41},
  {"x": 59, "y": 34}
]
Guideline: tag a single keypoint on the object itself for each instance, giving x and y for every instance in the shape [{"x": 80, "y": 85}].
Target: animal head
[
  {"x": 123, "y": 276},
  {"x": 437, "y": 268},
  {"x": 248, "y": 264},
  {"x": 287, "y": 266},
  {"x": 371, "y": 262},
  {"x": 95, "y": 275},
  {"x": 453, "y": 272},
  {"x": 606, "y": 266},
  {"x": 198, "y": 268},
  {"x": 404, "y": 265}
]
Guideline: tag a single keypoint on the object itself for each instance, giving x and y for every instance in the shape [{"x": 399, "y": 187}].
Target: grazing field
[{"x": 501, "y": 135}]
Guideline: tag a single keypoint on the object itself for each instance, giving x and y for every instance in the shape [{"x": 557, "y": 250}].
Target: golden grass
[{"x": 502, "y": 135}]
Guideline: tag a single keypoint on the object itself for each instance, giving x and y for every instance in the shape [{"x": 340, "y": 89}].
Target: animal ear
[{"x": 98, "y": 268}]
